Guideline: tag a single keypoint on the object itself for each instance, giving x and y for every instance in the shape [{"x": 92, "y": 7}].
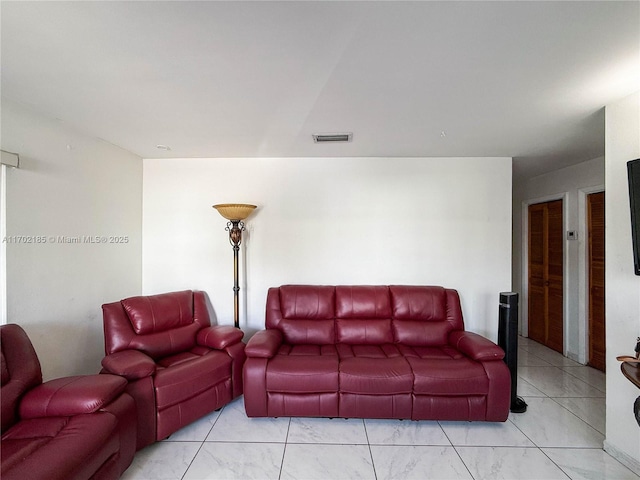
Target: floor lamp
[{"x": 235, "y": 213}]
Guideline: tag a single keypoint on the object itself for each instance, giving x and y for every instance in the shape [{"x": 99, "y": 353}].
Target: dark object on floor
[{"x": 508, "y": 341}]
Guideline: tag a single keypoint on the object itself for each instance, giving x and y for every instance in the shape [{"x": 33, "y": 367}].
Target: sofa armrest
[
  {"x": 475, "y": 346},
  {"x": 130, "y": 364},
  {"x": 219, "y": 336},
  {"x": 264, "y": 344},
  {"x": 71, "y": 396}
]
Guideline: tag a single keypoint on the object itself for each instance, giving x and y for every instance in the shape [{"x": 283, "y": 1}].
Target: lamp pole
[
  {"x": 235, "y": 228},
  {"x": 235, "y": 213}
]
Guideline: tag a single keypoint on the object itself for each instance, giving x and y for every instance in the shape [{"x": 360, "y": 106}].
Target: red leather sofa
[
  {"x": 178, "y": 366},
  {"x": 73, "y": 428},
  {"x": 372, "y": 352}
]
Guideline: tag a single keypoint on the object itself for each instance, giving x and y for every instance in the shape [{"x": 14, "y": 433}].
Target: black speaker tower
[{"x": 508, "y": 341}]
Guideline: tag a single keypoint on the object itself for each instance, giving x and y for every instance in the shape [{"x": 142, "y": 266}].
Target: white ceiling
[{"x": 235, "y": 79}]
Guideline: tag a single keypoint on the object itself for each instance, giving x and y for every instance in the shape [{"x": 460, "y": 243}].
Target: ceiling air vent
[{"x": 332, "y": 137}]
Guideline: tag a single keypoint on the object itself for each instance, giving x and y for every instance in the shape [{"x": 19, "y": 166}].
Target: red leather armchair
[
  {"x": 72, "y": 428},
  {"x": 178, "y": 366}
]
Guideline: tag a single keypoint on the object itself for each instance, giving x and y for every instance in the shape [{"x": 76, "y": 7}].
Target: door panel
[
  {"x": 537, "y": 304},
  {"x": 596, "y": 263},
  {"x": 555, "y": 270},
  {"x": 546, "y": 269}
]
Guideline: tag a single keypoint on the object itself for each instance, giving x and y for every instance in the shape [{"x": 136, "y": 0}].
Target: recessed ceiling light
[
  {"x": 332, "y": 137},
  {"x": 163, "y": 147}
]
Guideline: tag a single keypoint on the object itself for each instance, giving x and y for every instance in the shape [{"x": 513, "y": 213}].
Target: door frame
[
  {"x": 3, "y": 244},
  {"x": 583, "y": 272},
  {"x": 524, "y": 303}
]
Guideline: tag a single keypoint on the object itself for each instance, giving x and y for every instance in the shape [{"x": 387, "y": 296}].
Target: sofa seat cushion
[
  {"x": 50, "y": 447},
  {"x": 444, "y": 352},
  {"x": 178, "y": 358},
  {"x": 307, "y": 349},
  {"x": 302, "y": 374},
  {"x": 27, "y": 436},
  {"x": 186, "y": 379},
  {"x": 385, "y": 350},
  {"x": 375, "y": 376},
  {"x": 448, "y": 377}
]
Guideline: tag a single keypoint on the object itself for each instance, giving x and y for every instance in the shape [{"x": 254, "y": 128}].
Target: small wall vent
[{"x": 332, "y": 137}]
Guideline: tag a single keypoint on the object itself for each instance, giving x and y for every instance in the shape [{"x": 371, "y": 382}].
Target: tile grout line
[
  {"x": 562, "y": 369},
  {"x": 373, "y": 463},
  {"x": 284, "y": 450},
  {"x": 546, "y": 396},
  {"x": 551, "y": 460},
  {"x": 588, "y": 383},
  {"x": 520, "y": 430},
  {"x": 575, "y": 415},
  {"x": 456, "y": 450},
  {"x": 463, "y": 462},
  {"x": 554, "y": 399},
  {"x": 202, "y": 443},
  {"x": 564, "y": 372}
]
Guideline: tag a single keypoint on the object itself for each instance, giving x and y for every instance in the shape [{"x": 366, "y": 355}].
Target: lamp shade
[{"x": 234, "y": 211}]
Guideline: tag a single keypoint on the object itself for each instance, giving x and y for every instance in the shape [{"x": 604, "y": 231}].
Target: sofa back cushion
[
  {"x": 424, "y": 315},
  {"x": 157, "y": 325},
  {"x": 158, "y": 313},
  {"x": 4, "y": 370},
  {"x": 363, "y": 315},
  {"x": 304, "y": 314},
  {"x": 20, "y": 371}
]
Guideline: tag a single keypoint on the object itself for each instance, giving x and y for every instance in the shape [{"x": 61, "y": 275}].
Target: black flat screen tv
[{"x": 633, "y": 170}]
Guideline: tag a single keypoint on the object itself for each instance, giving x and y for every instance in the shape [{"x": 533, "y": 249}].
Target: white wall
[
  {"x": 429, "y": 221},
  {"x": 622, "y": 143},
  {"x": 68, "y": 185},
  {"x": 571, "y": 184}
]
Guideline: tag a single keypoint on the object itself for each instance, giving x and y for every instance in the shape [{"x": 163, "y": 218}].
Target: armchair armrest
[
  {"x": 71, "y": 396},
  {"x": 130, "y": 364},
  {"x": 264, "y": 344},
  {"x": 475, "y": 346},
  {"x": 219, "y": 336}
]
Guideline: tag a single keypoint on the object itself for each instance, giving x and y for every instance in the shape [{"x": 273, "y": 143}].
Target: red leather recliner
[
  {"x": 372, "y": 351},
  {"x": 179, "y": 367},
  {"x": 72, "y": 428}
]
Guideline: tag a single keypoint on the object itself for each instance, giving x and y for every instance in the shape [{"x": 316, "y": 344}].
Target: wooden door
[
  {"x": 546, "y": 266},
  {"x": 595, "y": 223}
]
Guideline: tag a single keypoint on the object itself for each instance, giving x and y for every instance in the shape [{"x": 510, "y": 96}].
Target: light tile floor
[{"x": 559, "y": 437}]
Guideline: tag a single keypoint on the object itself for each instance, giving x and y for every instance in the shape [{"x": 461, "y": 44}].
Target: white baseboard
[
  {"x": 623, "y": 458},
  {"x": 574, "y": 357}
]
